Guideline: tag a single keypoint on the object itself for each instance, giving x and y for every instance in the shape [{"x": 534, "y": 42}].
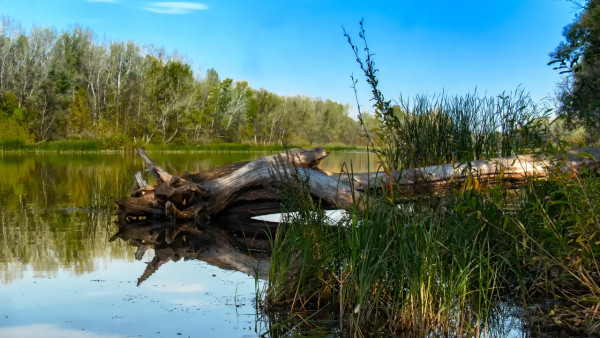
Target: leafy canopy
[{"x": 579, "y": 58}]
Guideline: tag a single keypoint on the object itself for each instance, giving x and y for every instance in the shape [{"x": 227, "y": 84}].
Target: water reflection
[
  {"x": 53, "y": 215},
  {"x": 49, "y": 331},
  {"x": 188, "y": 242},
  {"x": 61, "y": 273},
  {"x": 56, "y": 209}
]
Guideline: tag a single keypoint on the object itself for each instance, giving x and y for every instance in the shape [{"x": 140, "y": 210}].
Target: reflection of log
[
  {"x": 237, "y": 191},
  {"x": 209, "y": 244}
]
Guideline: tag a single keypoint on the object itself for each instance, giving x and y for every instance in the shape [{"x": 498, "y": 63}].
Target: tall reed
[
  {"x": 386, "y": 270},
  {"x": 430, "y": 130},
  {"x": 427, "y": 265}
]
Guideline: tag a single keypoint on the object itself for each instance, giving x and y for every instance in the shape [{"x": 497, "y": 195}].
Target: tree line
[{"x": 69, "y": 86}]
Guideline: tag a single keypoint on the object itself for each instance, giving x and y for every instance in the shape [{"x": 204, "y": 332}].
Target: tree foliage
[
  {"x": 579, "y": 58},
  {"x": 54, "y": 86}
]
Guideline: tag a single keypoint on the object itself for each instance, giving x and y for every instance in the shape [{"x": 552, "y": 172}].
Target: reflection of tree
[
  {"x": 55, "y": 210},
  {"x": 48, "y": 221},
  {"x": 209, "y": 244},
  {"x": 46, "y": 241}
]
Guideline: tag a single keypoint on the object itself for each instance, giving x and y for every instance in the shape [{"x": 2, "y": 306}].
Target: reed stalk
[{"x": 447, "y": 265}]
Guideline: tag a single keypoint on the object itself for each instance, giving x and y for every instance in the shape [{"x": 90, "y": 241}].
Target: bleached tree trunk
[{"x": 239, "y": 189}]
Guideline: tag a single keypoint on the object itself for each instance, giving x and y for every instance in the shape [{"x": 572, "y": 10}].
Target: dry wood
[
  {"x": 236, "y": 192},
  {"x": 513, "y": 170},
  {"x": 233, "y": 192}
]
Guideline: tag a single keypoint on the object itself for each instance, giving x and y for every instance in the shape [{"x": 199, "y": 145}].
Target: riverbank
[{"x": 75, "y": 146}]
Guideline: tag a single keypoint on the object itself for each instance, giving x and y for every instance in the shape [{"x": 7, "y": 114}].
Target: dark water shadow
[{"x": 211, "y": 244}]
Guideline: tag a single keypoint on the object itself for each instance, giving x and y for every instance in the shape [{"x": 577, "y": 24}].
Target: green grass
[
  {"x": 236, "y": 147},
  {"x": 110, "y": 145},
  {"x": 12, "y": 145},
  {"x": 216, "y": 147},
  {"x": 430, "y": 265},
  {"x": 53, "y": 146},
  {"x": 386, "y": 270},
  {"x": 432, "y": 130},
  {"x": 70, "y": 146},
  {"x": 437, "y": 265}
]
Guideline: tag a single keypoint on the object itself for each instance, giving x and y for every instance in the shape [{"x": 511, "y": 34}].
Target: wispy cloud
[
  {"x": 173, "y": 287},
  {"x": 49, "y": 330},
  {"x": 175, "y": 7}
]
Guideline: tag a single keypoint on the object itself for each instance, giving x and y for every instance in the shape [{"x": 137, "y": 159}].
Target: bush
[{"x": 12, "y": 144}]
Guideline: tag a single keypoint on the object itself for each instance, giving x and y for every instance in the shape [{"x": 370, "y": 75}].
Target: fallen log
[
  {"x": 513, "y": 170},
  {"x": 232, "y": 194}
]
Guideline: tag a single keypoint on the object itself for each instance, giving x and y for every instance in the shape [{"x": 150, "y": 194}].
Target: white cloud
[
  {"x": 48, "y": 331},
  {"x": 175, "y": 7}
]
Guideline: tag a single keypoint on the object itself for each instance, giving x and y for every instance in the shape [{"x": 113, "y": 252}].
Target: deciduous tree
[{"x": 579, "y": 58}]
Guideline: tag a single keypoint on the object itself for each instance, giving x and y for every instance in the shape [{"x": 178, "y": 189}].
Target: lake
[{"x": 61, "y": 276}]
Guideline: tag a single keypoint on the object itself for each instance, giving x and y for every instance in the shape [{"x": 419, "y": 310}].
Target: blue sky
[{"x": 297, "y": 46}]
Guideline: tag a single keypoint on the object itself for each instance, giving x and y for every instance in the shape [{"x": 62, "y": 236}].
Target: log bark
[
  {"x": 514, "y": 170},
  {"x": 232, "y": 194}
]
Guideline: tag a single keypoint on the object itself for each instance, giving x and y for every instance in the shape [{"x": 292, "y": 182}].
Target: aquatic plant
[
  {"x": 430, "y": 130},
  {"x": 422, "y": 264}
]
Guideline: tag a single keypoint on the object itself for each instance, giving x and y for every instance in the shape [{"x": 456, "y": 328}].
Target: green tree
[
  {"x": 32, "y": 56},
  {"x": 235, "y": 114},
  {"x": 266, "y": 107},
  {"x": 579, "y": 58},
  {"x": 9, "y": 32},
  {"x": 13, "y": 119},
  {"x": 169, "y": 95},
  {"x": 55, "y": 85},
  {"x": 218, "y": 100},
  {"x": 80, "y": 118},
  {"x": 122, "y": 63}
]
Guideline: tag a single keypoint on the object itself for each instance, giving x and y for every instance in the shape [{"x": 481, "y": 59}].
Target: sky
[{"x": 297, "y": 47}]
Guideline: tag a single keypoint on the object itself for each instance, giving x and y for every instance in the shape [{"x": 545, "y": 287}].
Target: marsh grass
[
  {"x": 12, "y": 145},
  {"x": 429, "y": 130},
  {"x": 69, "y": 146},
  {"x": 62, "y": 146},
  {"x": 563, "y": 214},
  {"x": 234, "y": 147},
  {"x": 81, "y": 145},
  {"x": 442, "y": 266},
  {"x": 430, "y": 265},
  {"x": 386, "y": 270},
  {"x": 442, "y": 129}
]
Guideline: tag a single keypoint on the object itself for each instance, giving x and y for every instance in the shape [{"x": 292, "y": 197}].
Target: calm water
[{"x": 60, "y": 276}]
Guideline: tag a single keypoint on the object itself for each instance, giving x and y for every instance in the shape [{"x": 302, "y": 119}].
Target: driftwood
[
  {"x": 209, "y": 216},
  {"x": 230, "y": 195},
  {"x": 513, "y": 170}
]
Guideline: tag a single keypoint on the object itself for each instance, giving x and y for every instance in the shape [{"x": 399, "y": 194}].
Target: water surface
[{"x": 61, "y": 276}]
